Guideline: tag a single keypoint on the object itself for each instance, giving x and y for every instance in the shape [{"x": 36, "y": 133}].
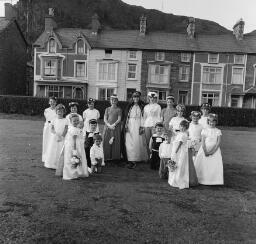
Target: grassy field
[{"x": 121, "y": 205}]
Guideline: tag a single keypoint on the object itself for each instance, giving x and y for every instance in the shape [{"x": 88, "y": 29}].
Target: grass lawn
[{"x": 121, "y": 205}]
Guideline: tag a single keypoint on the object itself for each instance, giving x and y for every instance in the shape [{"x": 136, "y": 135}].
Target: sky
[{"x": 224, "y": 12}]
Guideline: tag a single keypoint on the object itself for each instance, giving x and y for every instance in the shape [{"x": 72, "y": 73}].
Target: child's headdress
[
  {"x": 91, "y": 100},
  {"x": 170, "y": 97},
  {"x": 180, "y": 107},
  {"x": 60, "y": 106},
  {"x": 152, "y": 94},
  {"x": 114, "y": 96},
  {"x": 213, "y": 117},
  {"x": 136, "y": 94},
  {"x": 195, "y": 114},
  {"x": 206, "y": 106},
  {"x": 72, "y": 104}
]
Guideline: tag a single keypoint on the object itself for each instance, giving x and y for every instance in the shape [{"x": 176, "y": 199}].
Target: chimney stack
[
  {"x": 143, "y": 25},
  {"x": 191, "y": 27},
  {"x": 10, "y": 11},
  {"x": 96, "y": 26},
  {"x": 50, "y": 23},
  {"x": 238, "y": 30}
]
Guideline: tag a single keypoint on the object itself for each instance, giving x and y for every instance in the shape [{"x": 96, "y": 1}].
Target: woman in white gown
[
  {"x": 50, "y": 115},
  {"x": 205, "y": 110},
  {"x": 135, "y": 141},
  {"x": 208, "y": 162}
]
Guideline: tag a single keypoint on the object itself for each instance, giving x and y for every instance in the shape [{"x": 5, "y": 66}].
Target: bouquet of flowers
[
  {"x": 172, "y": 165},
  {"x": 75, "y": 159},
  {"x": 194, "y": 145}
]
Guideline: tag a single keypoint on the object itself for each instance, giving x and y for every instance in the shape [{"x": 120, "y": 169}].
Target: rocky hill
[{"x": 113, "y": 14}]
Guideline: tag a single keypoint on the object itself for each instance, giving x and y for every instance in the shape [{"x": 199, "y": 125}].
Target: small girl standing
[
  {"x": 205, "y": 109},
  {"x": 97, "y": 155},
  {"x": 49, "y": 114},
  {"x": 165, "y": 150},
  {"x": 154, "y": 145},
  {"x": 74, "y": 149},
  {"x": 180, "y": 176},
  {"x": 208, "y": 162},
  {"x": 59, "y": 127}
]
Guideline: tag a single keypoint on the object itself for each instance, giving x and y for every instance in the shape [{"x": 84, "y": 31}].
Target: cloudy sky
[{"x": 224, "y": 12}]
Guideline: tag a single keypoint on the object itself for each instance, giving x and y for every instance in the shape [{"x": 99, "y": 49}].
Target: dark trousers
[
  {"x": 87, "y": 153},
  {"x": 154, "y": 160},
  {"x": 163, "y": 169}
]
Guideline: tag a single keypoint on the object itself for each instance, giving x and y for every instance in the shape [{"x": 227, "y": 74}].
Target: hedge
[{"x": 36, "y": 105}]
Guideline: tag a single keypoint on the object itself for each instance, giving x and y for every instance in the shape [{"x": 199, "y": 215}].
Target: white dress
[
  {"x": 49, "y": 115},
  {"x": 135, "y": 144},
  {"x": 209, "y": 169},
  {"x": 82, "y": 170},
  {"x": 89, "y": 114},
  {"x": 194, "y": 131},
  {"x": 68, "y": 118},
  {"x": 203, "y": 121},
  {"x": 174, "y": 124},
  {"x": 152, "y": 114},
  {"x": 180, "y": 177},
  {"x": 56, "y": 143}
]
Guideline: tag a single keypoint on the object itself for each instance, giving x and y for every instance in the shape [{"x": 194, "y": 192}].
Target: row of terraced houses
[{"x": 195, "y": 68}]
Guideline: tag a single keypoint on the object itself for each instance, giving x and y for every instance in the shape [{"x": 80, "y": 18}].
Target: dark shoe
[{"x": 132, "y": 165}]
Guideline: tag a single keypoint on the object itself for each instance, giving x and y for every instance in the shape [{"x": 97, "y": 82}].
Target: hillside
[{"x": 113, "y": 14}]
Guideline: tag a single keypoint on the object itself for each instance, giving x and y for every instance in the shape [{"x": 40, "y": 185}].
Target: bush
[{"x": 36, "y": 106}]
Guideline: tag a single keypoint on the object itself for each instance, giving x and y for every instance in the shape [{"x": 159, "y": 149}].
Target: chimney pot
[
  {"x": 143, "y": 25},
  {"x": 49, "y": 22},
  {"x": 238, "y": 29},
  {"x": 191, "y": 27},
  {"x": 96, "y": 26}
]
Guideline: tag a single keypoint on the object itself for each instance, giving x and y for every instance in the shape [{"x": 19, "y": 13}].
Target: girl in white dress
[
  {"x": 174, "y": 124},
  {"x": 73, "y": 110},
  {"x": 180, "y": 177},
  {"x": 90, "y": 113},
  {"x": 49, "y": 114},
  {"x": 59, "y": 127},
  {"x": 208, "y": 162},
  {"x": 151, "y": 115},
  {"x": 205, "y": 109},
  {"x": 74, "y": 146}
]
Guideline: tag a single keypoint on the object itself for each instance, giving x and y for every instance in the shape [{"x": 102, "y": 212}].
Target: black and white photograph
[{"x": 127, "y": 121}]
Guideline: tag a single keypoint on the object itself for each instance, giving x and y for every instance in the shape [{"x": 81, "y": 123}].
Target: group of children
[
  {"x": 72, "y": 145},
  {"x": 188, "y": 153}
]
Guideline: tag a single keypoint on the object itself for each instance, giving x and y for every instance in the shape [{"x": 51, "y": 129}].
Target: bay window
[{"x": 50, "y": 67}]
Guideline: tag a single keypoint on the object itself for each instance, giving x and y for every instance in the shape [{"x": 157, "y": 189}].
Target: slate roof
[{"x": 130, "y": 39}]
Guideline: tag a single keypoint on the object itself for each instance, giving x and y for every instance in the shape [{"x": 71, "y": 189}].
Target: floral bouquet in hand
[
  {"x": 172, "y": 165},
  {"x": 75, "y": 159}
]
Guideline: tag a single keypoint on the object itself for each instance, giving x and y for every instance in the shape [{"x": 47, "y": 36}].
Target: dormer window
[
  {"x": 52, "y": 46},
  {"x": 80, "y": 47},
  {"x": 160, "y": 56},
  {"x": 213, "y": 58}
]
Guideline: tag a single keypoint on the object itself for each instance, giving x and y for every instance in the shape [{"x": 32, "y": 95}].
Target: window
[
  {"x": 108, "y": 53},
  {"x": 159, "y": 73},
  {"x": 55, "y": 91},
  {"x": 184, "y": 73},
  {"x": 235, "y": 101},
  {"x": 183, "y": 97},
  {"x": 160, "y": 56},
  {"x": 213, "y": 58},
  {"x": 239, "y": 59},
  {"x": 161, "y": 95},
  {"x": 212, "y": 75},
  {"x": 80, "y": 47},
  {"x": 107, "y": 71},
  {"x": 211, "y": 98},
  {"x": 50, "y": 67},
  {"x": 129, "y": 93},
  {"x": 185, "y": 57},
  {"x": 237, "y": 75},
  {"x": 78, "y": 92},
  {"x": 52, "y": 46},
  {"x": 132, "y": 71},
  {"x": 132, "y": 54},
  {"x": 105, "y": 93},
  {"x": 80, "y": 70}
]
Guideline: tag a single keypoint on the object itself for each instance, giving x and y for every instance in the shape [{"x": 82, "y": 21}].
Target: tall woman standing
[
  {"x": 112, "y": 131},
  {"x": 50, "y": 115},
  {"x": 152, "y": 115},
  {"x": 134, "y": 137}
]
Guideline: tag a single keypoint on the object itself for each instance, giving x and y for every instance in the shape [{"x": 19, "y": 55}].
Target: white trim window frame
[
  {"x": 50, "y": 68},
  {"x": 107, "y": 71},
  {"x": 80, "y": 50},
  {"x": 52, "y": 45},
  {"x": 132, "y": 55},
  {"x": 206, "y": 96},
  {"x": 132, "y": 71},
  {"x": 81, "y": 73},
  {"x": 183, "y": 96},
  {"x": 185, "y": 57},
  {"x": 239, "y": 58},
  {"x": 213, "y": 58},
  {"x": 184, "y": 73},
  {"x": 160, "y": 56},
  {"x": 212, "y": 75},
  {"x": 237, "y": 77},
  {"x": 159, "y": 74},
  {"x": 55, "y": 90},
  {"x": 108, "y": 91}
]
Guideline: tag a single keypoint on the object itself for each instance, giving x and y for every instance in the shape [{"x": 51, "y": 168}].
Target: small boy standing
[
  {"x": 165, "y": 150},
  {"x": 97, "y": 155}
]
